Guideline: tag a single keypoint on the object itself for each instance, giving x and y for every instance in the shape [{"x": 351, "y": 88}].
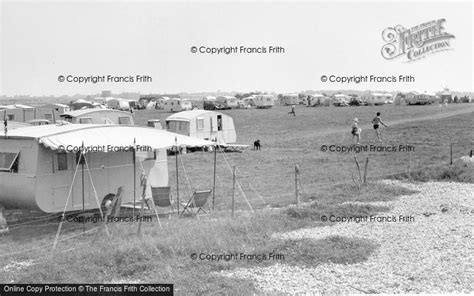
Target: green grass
[
  {"x": 457, "y": 172},
  {"x": 163, "y": 255},
  {"x": 270, "y": 173}
]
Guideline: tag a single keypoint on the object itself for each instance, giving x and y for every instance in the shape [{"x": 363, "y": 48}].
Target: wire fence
[{"x": 282, "y": 186}]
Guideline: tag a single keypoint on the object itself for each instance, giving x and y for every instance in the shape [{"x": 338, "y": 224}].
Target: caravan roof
[
  {"x": 21, "y": 106},
  {"x": 381, "y": 95},
  {"x": 100, "y": 135},
  {"x": 187, "y": 115},
  {"x": 81, "y": 112}
]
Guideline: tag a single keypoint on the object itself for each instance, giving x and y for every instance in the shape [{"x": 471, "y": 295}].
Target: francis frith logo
[{"x": 416, "y": 42}]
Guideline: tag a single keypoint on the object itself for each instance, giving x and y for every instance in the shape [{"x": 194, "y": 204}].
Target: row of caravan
[
  {"x": 170, "y": 104},
  {"x": 39, "y": 165},
  {"x": 312, "y": 100},
  {"x": 262, "y": 101}
]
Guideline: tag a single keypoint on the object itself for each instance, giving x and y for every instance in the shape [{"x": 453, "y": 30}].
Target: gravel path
[{"x": 432, "y": 254}]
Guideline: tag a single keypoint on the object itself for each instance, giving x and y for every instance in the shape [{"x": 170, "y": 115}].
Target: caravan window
[
  {"x": 85, "y": 120},
  {"x": 200, "y": 123},
  {"x": 48, "y": 116},
  {"x": 183, "y": 126},
  {"x": 171, "y": 125},
  {"x": 219, "y": 122},
  {"x": 9, "y": 162},
  {"x": 11, "y": 117},
  {"x": 124, "y": 120},
  {"x": 62, "y": 161}
]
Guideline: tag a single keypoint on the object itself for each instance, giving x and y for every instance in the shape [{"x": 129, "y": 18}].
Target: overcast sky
[{"x": 40, "y": 41}]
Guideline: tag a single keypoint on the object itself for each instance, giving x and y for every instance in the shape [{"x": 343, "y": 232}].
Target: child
[
  {"x": 377, "y": 121},
  {"x": 292, "y": 110},
  {"x": 356, "y": 130}
]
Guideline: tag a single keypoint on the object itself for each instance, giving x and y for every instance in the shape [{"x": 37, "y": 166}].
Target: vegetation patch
[
  {"x": 333, "y": 249},
  {"x": 454, "y": 173},
  {"x": 317, "y": 210},
  {"x": 370, "y": 192}
]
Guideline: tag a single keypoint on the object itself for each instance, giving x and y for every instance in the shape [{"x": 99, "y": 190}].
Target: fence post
[
  {"x": 297, "y": 195},
  {"x": 358, "y": 168},
  {"x": 451, "y": 153},
  {"x": 365, "y": 169},
  {"x": 409, "y": 164},
  {"x": 233, "y": 192}
]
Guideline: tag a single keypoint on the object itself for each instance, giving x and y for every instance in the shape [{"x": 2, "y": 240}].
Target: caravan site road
[{"x": 430, "y": 253}]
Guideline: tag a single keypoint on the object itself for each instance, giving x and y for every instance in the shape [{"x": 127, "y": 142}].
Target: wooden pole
[
  {"x": 143, "y": 181},
  {"x": 365, "y": 169},
  {"x": 214, "y": 182},
  {"x": 451, "y": 154},
  {"x": 177, "y": 175},
  {"x": 297, "y": 196},
  {"x": 233, "y": 192},
  {"x": 409, "y": 164},
  {"x": 358, "y": 168}
]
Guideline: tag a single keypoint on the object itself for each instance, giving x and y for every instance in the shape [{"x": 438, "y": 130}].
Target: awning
[{"x": 113, "y": 138}]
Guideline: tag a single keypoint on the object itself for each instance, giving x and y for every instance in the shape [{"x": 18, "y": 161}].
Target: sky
[{"x": 40, "y": 41}]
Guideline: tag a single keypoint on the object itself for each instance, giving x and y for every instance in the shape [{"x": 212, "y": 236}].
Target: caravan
[
  {"x": 264, "y": 101},
  {"x": 20, "y": 113},
  {"x": 227, "y": 102},
  {"x": 41, "y": 167},
  {"x": 98, "y": 116},
  {"x": 203, "y": 124},
  {"x": 176, "y": 104},
  {"x": 289, "y": 99}
]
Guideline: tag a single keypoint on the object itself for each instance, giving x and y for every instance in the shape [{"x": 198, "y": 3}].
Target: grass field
[
  {"x": 163, "y": 255},
  {"x": 288, "y": 141}
]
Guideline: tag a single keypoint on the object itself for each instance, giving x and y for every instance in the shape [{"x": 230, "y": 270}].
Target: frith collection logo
[{"x": 416, "y": 42}]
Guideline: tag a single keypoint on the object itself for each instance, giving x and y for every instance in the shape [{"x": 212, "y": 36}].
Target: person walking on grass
[
  {"x": 356, "y": 130},
  {"x": 292, "y": 110},
  {"x": 377, "y": 121}
]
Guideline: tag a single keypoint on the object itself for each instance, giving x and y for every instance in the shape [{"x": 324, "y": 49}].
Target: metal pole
[
  {"x": 214, "y": 182},
  {"x": 233, "y": 192},
  {"x": 177, "y": 173}
]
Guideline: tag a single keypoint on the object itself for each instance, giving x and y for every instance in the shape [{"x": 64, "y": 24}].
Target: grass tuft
[{"x": 454, "y": 173}]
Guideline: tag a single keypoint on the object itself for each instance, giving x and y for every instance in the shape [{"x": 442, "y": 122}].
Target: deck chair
[
  {"x": 197, "y": 201},
  {"x": 161, "y": 197}
]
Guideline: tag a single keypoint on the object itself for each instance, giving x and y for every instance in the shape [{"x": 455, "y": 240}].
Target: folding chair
[
  {"x": 161, "y": 197},
  {"x": 198, "y": 200}
]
